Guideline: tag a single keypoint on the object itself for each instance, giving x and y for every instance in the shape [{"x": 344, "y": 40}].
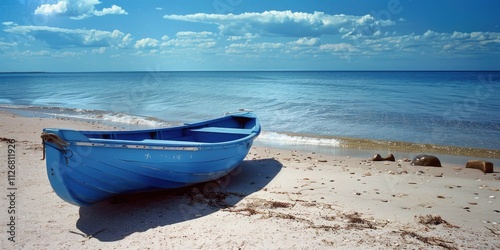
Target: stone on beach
[
  {"x": 485, "y": 166},
  {"x": 426, "y": 160},
  {"x": 378, "y": 157}
]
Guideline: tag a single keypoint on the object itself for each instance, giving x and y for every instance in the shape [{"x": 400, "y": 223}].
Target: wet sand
[{"x": 277, "y": 199}]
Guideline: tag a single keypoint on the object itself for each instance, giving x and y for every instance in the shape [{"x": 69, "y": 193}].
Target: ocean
[{"x": 299, "y": 108}]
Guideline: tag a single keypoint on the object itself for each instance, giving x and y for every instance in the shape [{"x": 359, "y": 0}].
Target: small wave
[
  {"x": 287, "y": 139},
  {"x": 111, "y": 118},
  {"x": 135, "y": 120}
]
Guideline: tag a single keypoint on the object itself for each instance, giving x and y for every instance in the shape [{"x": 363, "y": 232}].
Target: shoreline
[
  {"x": 278, "y": 198},
  {"x": 334, "y": 144},
  {"x": 350, "y": 144}
]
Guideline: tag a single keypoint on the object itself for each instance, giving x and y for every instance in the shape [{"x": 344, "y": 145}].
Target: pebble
[
  {"x": 492, "y": 197},
  {"x": 472, "y": 203},
  {"x": 428, "y": 206}
]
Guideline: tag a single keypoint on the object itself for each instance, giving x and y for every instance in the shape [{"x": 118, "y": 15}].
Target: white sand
[{"x": 277, "y": 199}]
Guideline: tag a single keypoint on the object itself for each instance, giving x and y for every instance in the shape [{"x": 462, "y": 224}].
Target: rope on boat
[{"x": 53, "y": 138}]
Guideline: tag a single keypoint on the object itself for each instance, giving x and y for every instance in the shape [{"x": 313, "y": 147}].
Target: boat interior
[{"x": 220, "y": 130}]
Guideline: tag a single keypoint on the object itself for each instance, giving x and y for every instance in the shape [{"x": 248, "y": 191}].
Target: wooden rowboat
[{"x": 85, "y": 167}]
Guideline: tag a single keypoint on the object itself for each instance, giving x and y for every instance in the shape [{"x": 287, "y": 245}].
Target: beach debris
[
  {"x": 433, "y": 220},
  {"x": 433, "y": 241},
  {"x": 378, "y": 157},
  {"x": 355, "y": 221},
  {"x": 493, "y": 231},
  {"x": 485, "y": 166},
  {"x": 426, "y": 160},
  {"x": 88, "y": 236},
  {"x": 3, "y": 139}
]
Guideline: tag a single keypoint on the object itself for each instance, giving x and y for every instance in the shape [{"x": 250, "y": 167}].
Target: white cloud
[
  {"x": 29, "y": 53},
  {"x": 126, "y": 40},
  {"x": 189, "y": 39},
  {"x": 338, "y": 47},
  {"x": 100, "y": 50},
  {"x": 114, "y": 10},
  {"x": 4, "y": 45},
  {"x": 78, "y": 9},
  {"x": 247, "y": 36},
  {"x": 194, "y": 34},
  {"x": 304, "y": 41},
  {"x": 253, "y": 48},
  {"x": 58, "y": 38},
  {"x": 435, "y": 42},
  {"x": 287, "y": 23},
  {"x": 146, "y": 43}
]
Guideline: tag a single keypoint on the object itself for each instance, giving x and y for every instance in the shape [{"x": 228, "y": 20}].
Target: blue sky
[{"x": 113, "y": 35}]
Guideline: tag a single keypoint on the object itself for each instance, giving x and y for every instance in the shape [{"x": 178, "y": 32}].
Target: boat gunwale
[{"x": 162, "y": 144}]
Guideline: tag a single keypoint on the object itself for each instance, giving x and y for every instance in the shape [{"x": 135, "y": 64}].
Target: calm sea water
[{"x": 443, "y": 108}]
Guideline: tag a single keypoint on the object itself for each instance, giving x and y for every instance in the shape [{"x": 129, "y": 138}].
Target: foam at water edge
[
  {"x": 285, "y": 139},
  {"x": 92, "y": 115}
]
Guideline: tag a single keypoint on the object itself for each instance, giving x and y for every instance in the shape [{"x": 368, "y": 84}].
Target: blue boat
[{"x": 86, "y": 167}]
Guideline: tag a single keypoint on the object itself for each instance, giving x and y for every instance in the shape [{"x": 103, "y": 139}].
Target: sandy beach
[{"x": 276, "y": 199}]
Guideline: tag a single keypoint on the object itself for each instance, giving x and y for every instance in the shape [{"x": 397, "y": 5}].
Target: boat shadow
[{"x": 116, "y": 218}]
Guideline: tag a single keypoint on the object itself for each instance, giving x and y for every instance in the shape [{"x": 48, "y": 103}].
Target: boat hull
[{"x": 86, "y": 172}]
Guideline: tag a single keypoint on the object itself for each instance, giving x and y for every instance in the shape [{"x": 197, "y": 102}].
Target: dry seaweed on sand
[
  {"x": 434, "y": 241},
  {"x": 355, "y": 221},
  {"x": 280, "y": 204},
  {"x": 433, "y": 220}
]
